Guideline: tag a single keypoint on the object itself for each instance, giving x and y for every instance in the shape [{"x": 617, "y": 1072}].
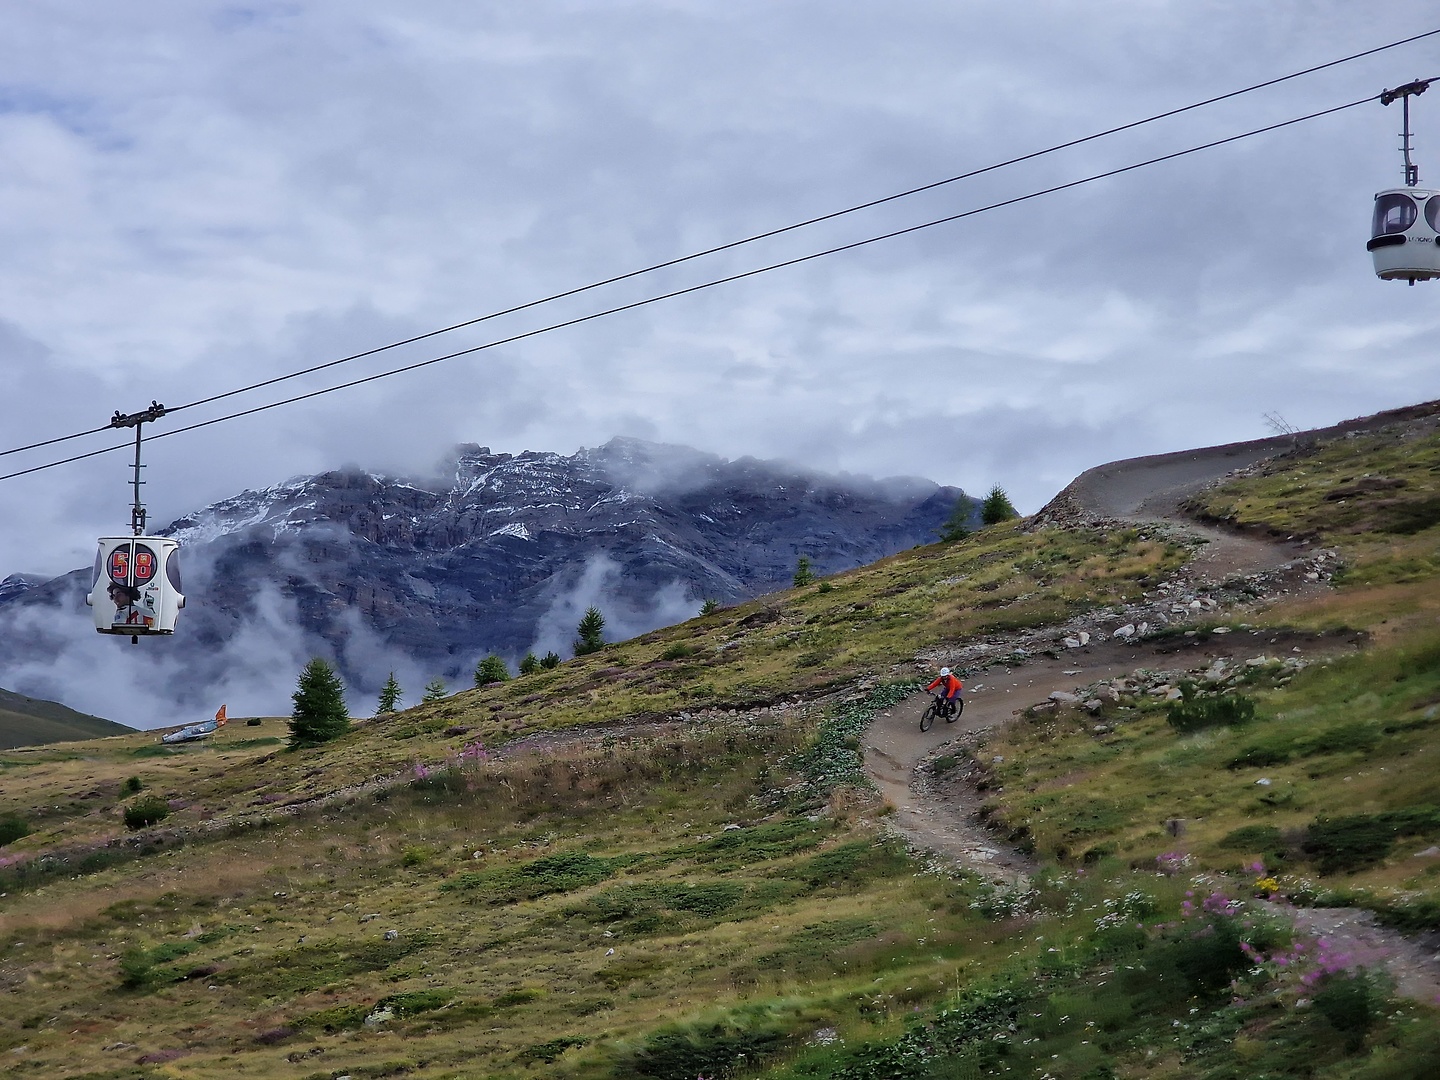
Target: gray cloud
[
  {"x": 196, "y": 196},
  {"x": 597, "y": 585}
]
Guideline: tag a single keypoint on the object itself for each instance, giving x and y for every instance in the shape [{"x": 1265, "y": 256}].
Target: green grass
[
  {"x": 704, "y": 884},
  {"x": 1376, "y": 496},
  {"x": 1357, "y": 732}
]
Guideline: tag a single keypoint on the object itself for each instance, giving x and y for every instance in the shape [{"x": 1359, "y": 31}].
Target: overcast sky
[{"x": 195, "y": 196}]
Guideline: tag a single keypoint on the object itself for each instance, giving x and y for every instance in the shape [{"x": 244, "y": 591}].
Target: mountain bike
[{"x": 939, "y": 706}]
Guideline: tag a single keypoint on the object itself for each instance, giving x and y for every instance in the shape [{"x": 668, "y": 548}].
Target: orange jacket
[{"x": 952, "y": 685}]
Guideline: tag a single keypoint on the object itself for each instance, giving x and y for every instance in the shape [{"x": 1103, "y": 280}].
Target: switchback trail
[{"x": 943, "y": 817}]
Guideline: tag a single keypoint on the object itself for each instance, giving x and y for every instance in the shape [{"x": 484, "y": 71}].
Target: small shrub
[
  {"x": 522, "y": 996},
  {"x": 562, "y": 872},
  {"x": 137, "y": 969},
  {"x": 1197, "y": 713},
  {"x": 1271, "y": 750},
  {"x": 336, "y": 1019},
  {"x": 491, "y": 670},
  {"x": 1353, "y": 1003},
  {"x": 1210, "y": 957},
  {"x": 145, "y": 812},
  {"x": 678, "y": 651},
  {"x": 1410, "y": 916},
  {"x": 416, "y": 1001},
  {"x": 549, "y": 1051},
  {"x": 1261, "y": 838},
  {"x": 12, "y": 828},
  {"x": 1353, "y": 843},
  {"x": 140, "y": 968},
  {"x": 254, "y": 721},
  {"x": 132, "y": 785},
  {"x": 706, "y": 1049},
  {"x": 1353, "y": 737},
  {"x": 1408, "y": 518}
]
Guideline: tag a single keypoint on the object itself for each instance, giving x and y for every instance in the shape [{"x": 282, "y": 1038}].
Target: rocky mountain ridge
[{"x": 504, "y": 553}]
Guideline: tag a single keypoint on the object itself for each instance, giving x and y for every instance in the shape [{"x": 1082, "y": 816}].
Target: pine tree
[
  {"x": 957, "y": 526},
  {"x": 709, "y": 607},
  {"x": 390, "y": 695},
  {"x": 491, "y": 670},
  {"x": 319, "y": 713},
  {"x": 529, "y": 664},
  {"x": 803, "y": 574},
  {"x": 996, "y": 507},
  {"x": 434, "y": 691},
  {"x": 550, "y": 660},
  {"x": 591, "y": 633}
]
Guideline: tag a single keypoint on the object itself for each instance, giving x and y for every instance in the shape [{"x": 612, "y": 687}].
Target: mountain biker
[{"x": 950, "y": 687}]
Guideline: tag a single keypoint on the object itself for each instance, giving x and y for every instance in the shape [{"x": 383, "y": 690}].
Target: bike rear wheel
[
  {"x": 928, "y": 717},
  {"x": 955, "y": 711}
]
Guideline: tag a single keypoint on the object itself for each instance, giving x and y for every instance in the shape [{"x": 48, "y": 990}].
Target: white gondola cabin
[
  {"x": 1404, "y": 234},
  {"x": 135, "y": 589},
  {"x": 1405, "y": 227}
]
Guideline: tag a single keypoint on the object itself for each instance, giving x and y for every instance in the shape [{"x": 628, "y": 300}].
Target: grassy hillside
[
  {"x": 26, "y": 721},
  {"x": 661, "y": 860}
]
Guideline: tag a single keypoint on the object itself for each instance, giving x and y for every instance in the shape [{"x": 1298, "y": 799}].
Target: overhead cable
[
  {"x": 853, "y": 245},
  {"x": 578, "y": 290}
]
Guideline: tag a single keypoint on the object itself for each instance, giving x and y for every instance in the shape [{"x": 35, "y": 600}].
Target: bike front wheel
[{"x": 928, "y": 717}]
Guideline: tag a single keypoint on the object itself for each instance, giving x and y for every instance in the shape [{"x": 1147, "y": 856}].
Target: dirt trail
[
  {"x": 897, "y": 752},
  {"x": 1140, "y": 490}
]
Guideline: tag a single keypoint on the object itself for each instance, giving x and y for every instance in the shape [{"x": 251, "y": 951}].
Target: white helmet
[{"x": 944, "y": 671}]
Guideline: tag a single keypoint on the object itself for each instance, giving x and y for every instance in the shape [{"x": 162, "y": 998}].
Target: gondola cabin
[
  {"x": 1403, "y": 234},
  {"x": 135, "y": 588}
]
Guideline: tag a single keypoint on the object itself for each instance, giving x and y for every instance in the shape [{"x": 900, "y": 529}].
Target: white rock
[
  {"x": 1064, "y": 698},
  {"x": 1084, "y": 637},
  {"x": 1128, "y": 630}
]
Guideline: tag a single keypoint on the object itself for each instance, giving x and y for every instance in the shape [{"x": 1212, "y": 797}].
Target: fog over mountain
[{"x": 424, "y": 577}]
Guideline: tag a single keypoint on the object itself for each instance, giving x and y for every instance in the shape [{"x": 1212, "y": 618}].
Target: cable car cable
[
  {"x": 52, "y": 442},
  {"x": 804, "y": 224},
  {"x": 717, "y": 281},
  {"x": 746, "y": 240}
]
